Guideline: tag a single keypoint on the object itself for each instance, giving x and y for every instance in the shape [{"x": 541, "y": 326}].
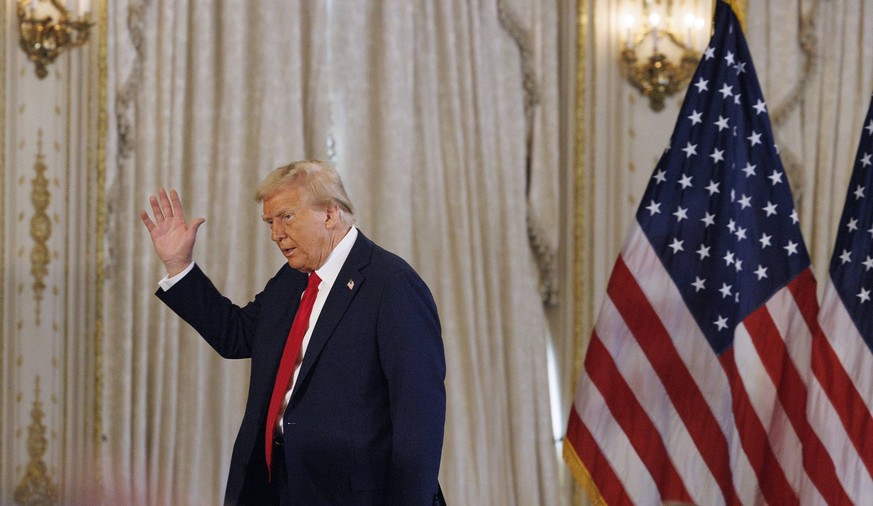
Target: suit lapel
[
  {"x": 346, "y": 286},
  {"x": 285, "y": 307}
]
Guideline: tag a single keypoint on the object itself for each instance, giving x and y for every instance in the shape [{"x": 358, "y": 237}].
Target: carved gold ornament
[
  {"x": 40, "y": 228},
  {"x": 36, "y": 486}
]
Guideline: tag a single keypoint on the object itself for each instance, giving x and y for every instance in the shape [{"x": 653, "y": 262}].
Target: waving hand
[{"x": 172, "y": 237}]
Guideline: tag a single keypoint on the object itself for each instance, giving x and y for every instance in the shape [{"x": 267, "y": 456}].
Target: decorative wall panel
[{"x": 47, "y": 266}]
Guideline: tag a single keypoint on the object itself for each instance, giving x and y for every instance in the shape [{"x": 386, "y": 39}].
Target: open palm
[{"x": 172, "y": 237}]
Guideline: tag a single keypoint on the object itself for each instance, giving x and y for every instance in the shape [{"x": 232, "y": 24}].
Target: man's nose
[{"x": 277, "y": 231}]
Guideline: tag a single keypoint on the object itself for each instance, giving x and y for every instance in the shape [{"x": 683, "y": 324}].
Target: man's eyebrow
[{"x": 279, "y": 212}]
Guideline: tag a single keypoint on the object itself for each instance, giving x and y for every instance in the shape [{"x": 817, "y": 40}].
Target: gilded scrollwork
[
  {"x": 99, "y": 181},
  {"x": 582, "y": 313},
  {"x": 40, "y": 228},
  {"x": 36, "y": 486},
  {"x": 3, "y": 172}
]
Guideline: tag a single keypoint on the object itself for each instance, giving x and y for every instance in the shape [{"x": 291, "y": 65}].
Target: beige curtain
[{"x": 426, "y": 109}]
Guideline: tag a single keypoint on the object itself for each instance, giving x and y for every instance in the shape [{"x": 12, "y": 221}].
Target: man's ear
[{"x": 332, "y": 217}]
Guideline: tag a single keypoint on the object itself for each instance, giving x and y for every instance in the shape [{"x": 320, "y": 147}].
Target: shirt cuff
[{"x": 167, "y": 282}]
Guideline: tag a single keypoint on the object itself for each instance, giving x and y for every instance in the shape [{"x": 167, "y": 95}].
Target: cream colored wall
[{"x": 48, "y": 260}]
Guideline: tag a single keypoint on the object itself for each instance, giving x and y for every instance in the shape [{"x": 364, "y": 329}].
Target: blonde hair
[{"x": 319, "y": 179}]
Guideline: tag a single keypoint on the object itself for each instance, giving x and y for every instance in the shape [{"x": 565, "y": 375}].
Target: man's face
[{"x": 303, "y": 233}]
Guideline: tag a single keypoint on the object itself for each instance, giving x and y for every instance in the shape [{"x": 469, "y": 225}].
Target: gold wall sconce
[
  {"x": 47, "y": 30},
  {"x": 657, "y": 76}
]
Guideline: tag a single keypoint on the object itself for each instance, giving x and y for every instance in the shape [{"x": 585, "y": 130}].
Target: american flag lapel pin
[{"x": 350, "y": 284}]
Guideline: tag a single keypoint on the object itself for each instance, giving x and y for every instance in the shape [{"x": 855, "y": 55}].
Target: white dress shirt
[{"x": 328, "y": 274}]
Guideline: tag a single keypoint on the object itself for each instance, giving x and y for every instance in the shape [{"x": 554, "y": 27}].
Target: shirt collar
[{"x": 330, "y": 270}]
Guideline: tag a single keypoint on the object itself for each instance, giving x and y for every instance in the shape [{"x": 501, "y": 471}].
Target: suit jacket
[{"x": 365, "y": 421}]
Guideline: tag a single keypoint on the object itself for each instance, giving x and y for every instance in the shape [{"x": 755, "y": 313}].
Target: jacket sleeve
[
  {"x": 225, "y": 326},
  {"x": 413, "y": 360}
]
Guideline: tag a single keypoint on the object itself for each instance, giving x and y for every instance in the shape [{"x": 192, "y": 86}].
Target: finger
[
  {"x": 165, "y": 204},
  {"x": 196, "y": 224},
  {"x": 147, "y": 220},
  {"x": 177, "y": 205},
  {"x": 156, "y": 209}
]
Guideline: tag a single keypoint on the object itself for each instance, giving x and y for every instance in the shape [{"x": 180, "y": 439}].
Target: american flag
[
  {"x": 842, "y": 362},
  {"x": 694, "y": 386}
]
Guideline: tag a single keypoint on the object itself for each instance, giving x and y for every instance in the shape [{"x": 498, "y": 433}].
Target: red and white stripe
[
  {"x": 841, "y": 396},
  {"x": 658, "y": 416}
]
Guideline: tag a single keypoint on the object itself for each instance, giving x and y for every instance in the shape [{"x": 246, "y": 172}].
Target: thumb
[{"x": 196, "y": 224}]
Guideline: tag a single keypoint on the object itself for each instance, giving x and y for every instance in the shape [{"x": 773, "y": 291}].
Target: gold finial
[{"x": 739, "y": 7}]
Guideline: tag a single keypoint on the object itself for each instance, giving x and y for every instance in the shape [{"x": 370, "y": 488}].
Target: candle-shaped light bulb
[
  {"x": 628, "y": 22},
  {"x": 689, "y": 25},
  {"x": 654, "y": 20},
  {"x": 698, "y": 25}
]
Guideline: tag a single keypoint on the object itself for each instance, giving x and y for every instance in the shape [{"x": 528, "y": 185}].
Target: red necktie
[{"x": 289, "y": 357}]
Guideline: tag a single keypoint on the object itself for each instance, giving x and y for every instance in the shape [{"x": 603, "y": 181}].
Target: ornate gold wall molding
[
  {"x": 3, "y": 416},
  {"x": 51, "y": 263},
  {"x": 581, "y": 244},
  {"x": 36, "y": 486},
  {"x": 100, "y": 192},
  {"x": 40, "y": 227},
  {"x": 582, "y": 212}
]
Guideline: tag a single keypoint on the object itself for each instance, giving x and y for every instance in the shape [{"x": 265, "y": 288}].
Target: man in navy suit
[{"x": 361, "y": 419}]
